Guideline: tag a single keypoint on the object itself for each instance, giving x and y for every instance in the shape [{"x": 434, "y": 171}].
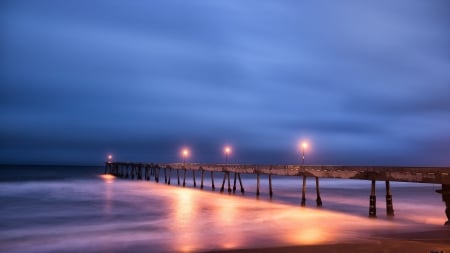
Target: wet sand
[{"x": 435, "y": 241}]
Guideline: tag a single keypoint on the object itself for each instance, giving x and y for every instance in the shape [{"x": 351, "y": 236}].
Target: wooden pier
[{"x": 432, "y": 175}]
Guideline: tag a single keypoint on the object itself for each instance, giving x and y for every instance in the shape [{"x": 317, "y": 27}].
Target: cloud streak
[{"x": 364, "y": 82}]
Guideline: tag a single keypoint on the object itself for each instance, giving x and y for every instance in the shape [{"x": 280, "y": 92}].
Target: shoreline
[{"x": 436, "y": 241}]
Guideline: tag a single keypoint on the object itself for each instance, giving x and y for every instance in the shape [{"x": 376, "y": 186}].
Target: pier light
[
  {"x": 227, "y": 151},
  {"x": 110, "y": 158},
  {"x": 185, "y": 154},
  {"x": 304, "y": 146}
]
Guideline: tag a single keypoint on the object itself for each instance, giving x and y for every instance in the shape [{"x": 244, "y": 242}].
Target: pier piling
[
  {"x": 229, "y": 186},
  {"x": 234, "y": 184},
  {"x": 240, "y": 182},
  {"x": 270, "y": 185},
  {"x": 303, "y": 203},
  {"x": 318, "y": 199},
  {"x": 212, "y": 181},
  {"x": 170, "y": 173},
  {"x": 257, "y": 184},
  {"x": 389, "y": 205},
  {"x": 373, "y": 202},
  {"x": 223, "y": 182},
  {"x": 193, "y": 176},
  {"x": 201, "y": 181}
]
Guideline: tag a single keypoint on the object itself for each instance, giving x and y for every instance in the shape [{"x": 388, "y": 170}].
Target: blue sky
[{"x": 364, "y": 82}]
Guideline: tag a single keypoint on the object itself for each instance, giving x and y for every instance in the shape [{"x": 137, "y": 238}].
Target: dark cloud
[{"x": 364, "y": 82}]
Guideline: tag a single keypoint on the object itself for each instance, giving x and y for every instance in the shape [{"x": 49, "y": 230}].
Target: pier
[{"x": 147, "y": 171}]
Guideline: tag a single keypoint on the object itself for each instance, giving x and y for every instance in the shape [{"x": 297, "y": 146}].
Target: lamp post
[
  {"x": 110, "y": 158},
  {"x": 304, "y": 146},
  {"x": 303, "y": 202},
  {"x": 227, "y": 153},
  {"x": 185, "y": 154}
]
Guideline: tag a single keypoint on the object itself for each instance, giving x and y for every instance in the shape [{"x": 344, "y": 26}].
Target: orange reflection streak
[
  {"x": 228, "y": 212},
  {"x": 108, "y": 178},
  {"x": 185, "y": 218}
]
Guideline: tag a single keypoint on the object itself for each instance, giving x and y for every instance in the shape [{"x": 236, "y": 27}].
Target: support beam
[
  {"x": 257, "y": 184},
  {"x": 234, "y": 184},
  {"x": 318, "y": 199},
  {"x": 201, "y": 181},
  {"x": 178, "y": 176},
  {"x": 229, "y": 186},
  {"x": 389, "y": 205},
  {"x": 303, "y": 203},
  {"x": 212, "y": 181},
  {"x": 184, "y": 178},
  {"x": 193, "y": 176},
  {"x": 140, "y": 172},
  {"x": 240, "y": 182},
  {"x": 373, "y": 202},
  {"x": 170, "y": 173},
  {"x": 445, "y": 191},
  {"x": 270, "y": 185},
  {"x": 223, "y": 182}
]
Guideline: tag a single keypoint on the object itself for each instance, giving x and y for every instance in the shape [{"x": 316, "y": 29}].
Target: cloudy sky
[{"x": 364, "y": 82}]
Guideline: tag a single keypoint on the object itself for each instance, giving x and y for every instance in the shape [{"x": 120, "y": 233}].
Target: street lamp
[
  {"x": 110, "y": 158},
  {"x": 185, "y": 154},
  {"x": 227, "y": 152},
  {"x": 304, "y": 146}
]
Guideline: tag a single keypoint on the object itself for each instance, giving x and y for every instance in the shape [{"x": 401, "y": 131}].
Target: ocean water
[{"x": 78, "y": 209}]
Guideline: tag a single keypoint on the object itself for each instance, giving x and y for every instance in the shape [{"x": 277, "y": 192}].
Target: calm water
[{"x": 77, "y": 209}]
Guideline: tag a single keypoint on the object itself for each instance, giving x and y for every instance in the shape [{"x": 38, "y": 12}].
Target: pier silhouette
[{"x": 147, "y": 171}]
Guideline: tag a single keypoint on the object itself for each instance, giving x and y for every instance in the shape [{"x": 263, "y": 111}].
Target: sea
[{"x": 81, "y": 209}]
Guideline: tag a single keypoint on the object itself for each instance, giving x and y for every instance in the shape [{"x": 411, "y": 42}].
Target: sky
[{"x": 363, "y": 82}]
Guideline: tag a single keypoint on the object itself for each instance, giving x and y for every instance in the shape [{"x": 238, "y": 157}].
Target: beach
[{"x": 78, "y": 209}]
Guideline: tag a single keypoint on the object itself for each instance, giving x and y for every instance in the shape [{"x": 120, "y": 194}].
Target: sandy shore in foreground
[{"x": 418, "y": 242}]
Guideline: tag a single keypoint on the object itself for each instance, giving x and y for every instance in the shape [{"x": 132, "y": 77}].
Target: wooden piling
[
  {"x": 193, "y": 176},
  {"x": 201, "y": 181},
  {"x": 212, "y": 181},
  {"x": 184, "y": 178},
  {"x": 170, "y": 173},
  {"x": 157, "y": 174},
  {"x": 240, "y": 182},
  {"x": 165, "y": 175},
  {"x": 234, "y": 184},
  {"x": 270, "y": 185},
  {"x": 229, "y": 186},
  {"x": 257, "y": 184},
  {"x": 303, "y": 203},
  {"x": 178, "y": 176},
  {"x": 318, "y": 199},
  {"x": 140, "y": 172},
  {"x": 223, "y": 182},
  {"x": 389, "y": 205},
  {"x": 373, "y": 201}
]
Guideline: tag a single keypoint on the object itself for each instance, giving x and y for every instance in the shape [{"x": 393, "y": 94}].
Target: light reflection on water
[{"x": 117, "y": 215}]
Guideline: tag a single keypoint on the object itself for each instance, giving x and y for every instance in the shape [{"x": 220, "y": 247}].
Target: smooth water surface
[{"x": 80, "y": 210}]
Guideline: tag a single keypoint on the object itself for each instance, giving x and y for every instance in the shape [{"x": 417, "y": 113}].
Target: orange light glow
[
  {"x": 185, "y": 153},
  {"x": 108, "y": 178},
  {"x": 304, "y": 145},
  {"x": 227, "y": 150},
  {"x": 109, "y": 157}
]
